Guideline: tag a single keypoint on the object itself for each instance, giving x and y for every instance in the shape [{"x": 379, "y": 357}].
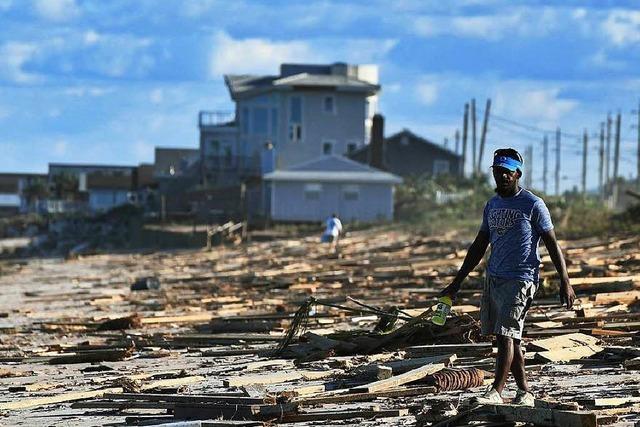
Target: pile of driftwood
[{"x": 285, "y": 332}]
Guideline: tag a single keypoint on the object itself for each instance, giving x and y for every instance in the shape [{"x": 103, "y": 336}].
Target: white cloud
[
  {"x": 531, "y": 101},
  {"x": 255, "y": 55},
  {"x": 13, "y": 56},
  {"x": 622, "y": 27},
  {"x": 91, "y": 37},
  {"x": 143, "y": 150},
  {"x": 264, "y": 56},
  {"x": 56, "y": 10},
  {"x": 602, "y": 60},
  {"x": 82, "y": 91},
  {"x": 4, "y": 112},
  {"x": 60, "y": 148},
  {"x": 521, "y": 22},
  {"x": 156, "y": 96},
  {"x": 427, "y": 93}
]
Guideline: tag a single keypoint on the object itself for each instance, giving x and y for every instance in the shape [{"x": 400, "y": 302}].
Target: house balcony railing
[
  {"x": 241, "y": 165},
  {"x": 215, "y": 118}
]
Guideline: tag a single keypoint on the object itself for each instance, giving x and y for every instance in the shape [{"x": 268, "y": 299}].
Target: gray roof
[
  {"x": 243, "y": 85},
  {"x": 333, "y": 169}
]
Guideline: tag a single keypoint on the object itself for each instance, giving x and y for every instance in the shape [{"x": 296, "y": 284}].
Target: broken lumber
[
  {"x": 546, "y": 417},
  {"x": 398, "y": 380}
]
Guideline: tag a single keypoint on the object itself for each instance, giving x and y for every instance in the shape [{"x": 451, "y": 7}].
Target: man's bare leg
[
  {"x": 503, "y": 362},
  {"x": 517, "y": 366}
]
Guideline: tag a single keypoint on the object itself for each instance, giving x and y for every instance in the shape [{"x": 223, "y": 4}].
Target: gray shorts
[{"x": 504, "y": 306}]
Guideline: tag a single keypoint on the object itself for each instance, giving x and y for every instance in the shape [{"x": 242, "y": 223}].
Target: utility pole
[
  {"x": 465, "y": 126},
  {"x": 557, "y": 176},
  {"x": 473, "y": 134},
  {"x": 446, "y": 143},
  {"x": 483, "y": 137},
  {"x": 607, "y": 162},
  {"x": 601, "y": 162},
  {"x": 638, "y": 154},
  {"x": 545, "y": 164},
  {"x": 529, "y": 166},
  {"x": 585, "y": 143},
  {"x": 616, "y": 161},
  {"x": 457, "y": 137}
]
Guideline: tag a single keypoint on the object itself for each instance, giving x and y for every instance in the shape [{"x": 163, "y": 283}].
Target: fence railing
[{"x": 215, "y": 118}]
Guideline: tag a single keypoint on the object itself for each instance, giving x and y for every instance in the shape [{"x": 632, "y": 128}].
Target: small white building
[{"x": 314, "y": 190}]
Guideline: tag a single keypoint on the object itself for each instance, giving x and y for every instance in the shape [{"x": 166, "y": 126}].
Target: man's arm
[
  {"x": 471, "y": 260},
  {"x": 567, "y": 296}
]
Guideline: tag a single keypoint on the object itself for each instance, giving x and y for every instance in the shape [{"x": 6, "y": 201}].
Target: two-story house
[{"x": 305, "y": 112}]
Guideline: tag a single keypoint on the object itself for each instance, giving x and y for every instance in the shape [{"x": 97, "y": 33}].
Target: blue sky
[{"x": 106, "y": 81}]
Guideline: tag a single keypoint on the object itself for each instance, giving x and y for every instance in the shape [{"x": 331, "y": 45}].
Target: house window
[
  {"x": 440, "y": 167},
  {"x": 350, "y": 192},
  {"x": 351, "y": 147},
  {"x": 228, "y": 157},
  {"x": 327, "y": 148},
  {"x": 312, "y": 191},
  {"x": 329, "y": 104},
  {"x": 245, "y": 120},
  {"x": 295, "y": 119},
  {"x": 214, "y": 147},
  {"x": 260, "y": 120},
  {"x": 274, "y": 122}
]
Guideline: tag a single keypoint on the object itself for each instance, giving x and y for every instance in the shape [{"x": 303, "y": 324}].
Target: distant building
[
  {"x": 407, "y": 154},
  {"x": 332, "y": 184},
  {"x": 304, "y": 112},
  {"x": 14, "y": 191},
  {"x": 176, "y": 172},
  {"x": 99, "y": 187}
]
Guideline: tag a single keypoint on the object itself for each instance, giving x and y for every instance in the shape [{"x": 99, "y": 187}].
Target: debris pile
[{"x": 283, "y": 332}]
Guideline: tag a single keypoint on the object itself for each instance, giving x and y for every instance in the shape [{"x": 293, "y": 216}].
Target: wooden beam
[
  {"x": 344, "y": 415},
  {"x": 562, "y": 341},
  {"x": 546, "y": 417},
  {"x": 398, "y": 380},
  {"x": 276, "y": 377},
  {"x": 34, "y": 402},
  {"x": 567, "y": 354}
]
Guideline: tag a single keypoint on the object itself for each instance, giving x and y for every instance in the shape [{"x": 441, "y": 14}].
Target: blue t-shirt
[{"x": 514, "y": 225}]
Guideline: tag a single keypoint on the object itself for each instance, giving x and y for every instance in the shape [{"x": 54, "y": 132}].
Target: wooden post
[
  {"x": 465, "y": 131},
  {"x": 545, "y": 147},
  {"x": 616, "y": 161},
  {"x": 557, "y": 176},
  {"x": 483, "y": 137},
  {"x": 585, "y": 142},
  {"x": 601, "y": 162},
  {"x": 473, "y": 135}
]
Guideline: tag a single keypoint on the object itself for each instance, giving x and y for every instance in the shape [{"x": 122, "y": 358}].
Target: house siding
[{"x": 290, "y": 204}]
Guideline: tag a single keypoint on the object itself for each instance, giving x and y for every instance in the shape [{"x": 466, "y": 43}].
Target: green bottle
[{"x": 442, "y": 310}]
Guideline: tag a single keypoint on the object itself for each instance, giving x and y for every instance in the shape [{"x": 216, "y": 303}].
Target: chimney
[{"x": 377, "y": 142}]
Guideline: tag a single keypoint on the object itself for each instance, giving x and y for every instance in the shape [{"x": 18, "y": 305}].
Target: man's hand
[
  {"x": 567, "y": 296},
  {"x": 451, "y": 290}
]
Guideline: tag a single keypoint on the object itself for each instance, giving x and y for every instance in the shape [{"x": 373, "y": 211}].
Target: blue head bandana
[{"x": 507, "y": 163}]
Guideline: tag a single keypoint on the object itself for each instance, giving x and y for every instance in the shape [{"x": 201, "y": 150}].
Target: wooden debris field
[{"x": 223, "y": 338}]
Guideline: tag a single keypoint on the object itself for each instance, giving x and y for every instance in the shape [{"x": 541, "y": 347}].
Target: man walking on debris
[
  {"x": 332, "y": 232},
  {"x": 513, "y": 222}
]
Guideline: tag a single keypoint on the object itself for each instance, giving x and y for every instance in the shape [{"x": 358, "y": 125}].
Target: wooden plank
[
  {"x": 34, "y": 402},
  {"x": 567, "y": 354},
  {"x": 398, "y": 380},
  {"x": 344, "y": 415},
  {"x": 619, "y": 297},
  {"x": 562, "y": 341},
  {"x": 363, "y": 397},
  {"x": 276, "y": 377},
  {"x": 189, "y": 398},
  {"x": 610, "y": 401},
  {"x": 546, "y": 417}
]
